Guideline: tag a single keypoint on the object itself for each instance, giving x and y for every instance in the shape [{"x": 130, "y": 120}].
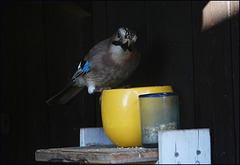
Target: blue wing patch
[{"x": 86, "y": 67}]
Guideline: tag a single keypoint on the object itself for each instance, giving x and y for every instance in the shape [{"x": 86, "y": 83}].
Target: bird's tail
[{"x": 65, "y": 95}]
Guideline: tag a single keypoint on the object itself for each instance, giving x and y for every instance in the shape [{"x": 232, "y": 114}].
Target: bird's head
[{"x": 125, "y": 37}]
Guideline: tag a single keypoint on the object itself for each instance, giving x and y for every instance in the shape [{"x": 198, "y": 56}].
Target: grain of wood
[{"x": 97, "y": 154}]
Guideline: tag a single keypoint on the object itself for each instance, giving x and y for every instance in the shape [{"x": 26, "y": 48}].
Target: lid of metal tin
[{"x": 158, "y": 94}]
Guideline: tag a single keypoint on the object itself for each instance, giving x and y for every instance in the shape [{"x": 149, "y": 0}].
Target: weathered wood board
[
  {"x": 189, "y": 146},
  {"x": 97, "y": 154}
]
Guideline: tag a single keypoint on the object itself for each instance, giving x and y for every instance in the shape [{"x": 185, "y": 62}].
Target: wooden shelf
[{"x": 97, "y": 154}]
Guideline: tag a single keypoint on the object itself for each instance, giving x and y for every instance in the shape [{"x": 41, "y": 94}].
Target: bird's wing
[
  {"x": 70, "y": 90},
  {"x": 98, "y": 48},
  {"x": 83, "y": 68},
  {"x": 85, "y": 65}
]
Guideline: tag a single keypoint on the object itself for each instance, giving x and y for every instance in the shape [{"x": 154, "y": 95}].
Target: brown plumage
[{"x": 107, "y": 64}]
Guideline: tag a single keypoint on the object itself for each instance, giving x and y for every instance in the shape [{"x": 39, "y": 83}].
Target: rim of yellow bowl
[{"x": 137, "y": 87}]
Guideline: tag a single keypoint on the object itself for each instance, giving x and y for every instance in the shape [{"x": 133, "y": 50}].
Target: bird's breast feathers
[{"x": 118, "y": 55}]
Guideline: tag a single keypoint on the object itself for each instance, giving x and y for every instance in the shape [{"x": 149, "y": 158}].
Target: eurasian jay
[{"x": 106, "y": 65}]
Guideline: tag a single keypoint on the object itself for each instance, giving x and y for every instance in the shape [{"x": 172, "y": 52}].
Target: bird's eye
[{"x": 119, "y": 35}]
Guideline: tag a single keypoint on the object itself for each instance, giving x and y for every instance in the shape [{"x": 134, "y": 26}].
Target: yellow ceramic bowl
[{"x": 120, "y": 114}]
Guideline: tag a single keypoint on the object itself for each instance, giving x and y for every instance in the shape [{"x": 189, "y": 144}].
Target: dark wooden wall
[{"x": 43, "y": 42}]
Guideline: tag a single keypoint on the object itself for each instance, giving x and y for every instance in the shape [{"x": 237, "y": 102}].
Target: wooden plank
[
  {"x": 73, "y": 8},
  {"x": 102, "y": 154},
  {"x": 68, "y": 37},
  {"x": 169, "y": 52},
  {"x": 189, "y": 146},
  {"x": 99, "y": 21},
  {"x": 23, "y": 83},
  {"x": 214, "y": 13},
  {"x": 234, "y": 5},
  {"x": 213, "y": 79}
]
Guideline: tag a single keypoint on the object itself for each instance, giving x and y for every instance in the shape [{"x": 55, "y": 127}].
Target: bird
[{"x": 106, "y": 65}]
